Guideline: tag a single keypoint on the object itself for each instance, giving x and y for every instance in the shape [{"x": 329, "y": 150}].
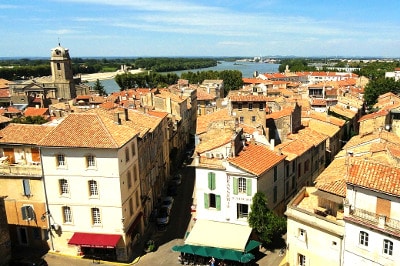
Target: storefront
[{"x": 99, "y": 246}]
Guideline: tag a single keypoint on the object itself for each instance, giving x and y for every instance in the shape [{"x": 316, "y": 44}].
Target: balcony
[
  {"x": 21, "y": 169},
  {"x": 380, "y": 221}
]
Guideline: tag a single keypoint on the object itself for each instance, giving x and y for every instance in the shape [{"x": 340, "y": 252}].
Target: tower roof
[{"x": 59, "y": 52}]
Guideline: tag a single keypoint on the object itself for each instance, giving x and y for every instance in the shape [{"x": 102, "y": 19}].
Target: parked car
[
  {"x": 177, "y": 179},
  {"x": 163, "y": 216},
  {"x": 167, "y": 201}
]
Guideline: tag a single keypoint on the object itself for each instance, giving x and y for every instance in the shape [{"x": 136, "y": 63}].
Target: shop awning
[
  {"x": 218, "y": 253},
  {"x": 94, "y": 240},
  {"x": 218, "y": 234}
]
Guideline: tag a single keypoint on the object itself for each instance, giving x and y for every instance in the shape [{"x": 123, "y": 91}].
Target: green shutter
[
  {"x": 206, "y": 201},
  {"x": 218, "y": 202},
  {"x": 211, "y": 180},
  {"x": 214, "y": 186},
  {"x": 248, "y": 186},
  {"x": 235, "y": 186}
]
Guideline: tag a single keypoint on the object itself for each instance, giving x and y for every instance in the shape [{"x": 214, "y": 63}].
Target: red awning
[{"x": 94, "y": 240}]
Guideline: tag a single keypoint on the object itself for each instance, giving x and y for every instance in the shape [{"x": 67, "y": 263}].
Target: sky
[{"x": 141, "y": 28}]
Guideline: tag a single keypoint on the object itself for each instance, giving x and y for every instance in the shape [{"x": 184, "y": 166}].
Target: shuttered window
[
  {"x": 248, "y": 187},
  {"x": 27, "y": 187},
  {"x": 211, "y": 181},
  {"x": 212, "y": 201}
]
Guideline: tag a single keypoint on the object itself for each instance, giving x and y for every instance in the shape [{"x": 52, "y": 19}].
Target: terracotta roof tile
[
  {"x": 373, "y": 115},
  {"x": 256, "y": 159},
  {"x": 4, "y": 93},
  {"x": 33, "y": 111},
  {"x": 375, "y": 176},
  {"x": 279, "y": 114},
  {"x": 333, "y": 178},
  {"x": 249, "y": 98},
  {"x": 24, "y": 133},
  {"x": 92, "y": 129},
  {"x": 204, "y": 120}
]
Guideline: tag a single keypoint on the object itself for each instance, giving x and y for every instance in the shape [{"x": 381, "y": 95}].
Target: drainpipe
[{"x": 46, "y": 202}]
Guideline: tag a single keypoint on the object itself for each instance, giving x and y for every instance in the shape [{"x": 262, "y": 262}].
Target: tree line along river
[{"x": 247, "y": 68}]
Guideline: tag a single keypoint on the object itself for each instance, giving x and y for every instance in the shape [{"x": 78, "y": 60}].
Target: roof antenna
[{"x": 59, "y": 41}]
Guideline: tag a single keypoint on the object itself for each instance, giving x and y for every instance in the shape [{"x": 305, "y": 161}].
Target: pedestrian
[{"x": 212, "y": 261}]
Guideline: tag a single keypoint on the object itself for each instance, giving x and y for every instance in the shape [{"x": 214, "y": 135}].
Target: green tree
[
  {"x": 29, "y": 120},
  {"x": 379, "y": 86},
  {"x": 264, "y": 222},
  {"x": 99, "y": 88},
  {"x": 295, "y": 65}
]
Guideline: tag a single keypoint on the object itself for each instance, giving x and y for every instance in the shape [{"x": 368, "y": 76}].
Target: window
[
  {"x": 306, "y": 166},
  {"x": 129, "y": 179},
  {"x": 242, "y": 185},
  {"x": 27, "y": 212},
  {"x": 275, "y": 173},
  {"x": 250, "y": 106},
  {"x": 93, "y": 190},
  {"x": 211, "y": 181},
  {"x": 287, "y": 187},
  {"x": 387, "y": 247},
  {"x": 302, "y": 234},
  {"x": 275, "y": 194},
  {"x": 135, "y": 177},
  {"x": 299, "y": 170},
  {"x": 27, "y": 187},
  {"x": 90, "y": 161},
  {"x": 96, "y": 216},
  {"x": 60, "y": 160},
  {"x": 261, "y": 106},
  {"x": 253, "y": 119},
  {"x": 133, "y": 149},
  {"x": 363, "y": 239},
  {"x": 302, "y": 260},
  {"x": 240, "y": 107},
  {"x": 242, "y": 210},
  {"x": 130, "y": 206},
  {"x": 293, "y": 182},
  {"x": 241, "y": 119},
  {"x": 67, "y": 214},
  {"x": 126, "y": 155},
  {"x": 212, "y": 201},
  {"x": 64, "y": 188},
  {"x": 58, "y": 66}
]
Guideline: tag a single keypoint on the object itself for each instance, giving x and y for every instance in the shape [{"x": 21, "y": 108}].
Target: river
[{"x": 247, "y": 68}]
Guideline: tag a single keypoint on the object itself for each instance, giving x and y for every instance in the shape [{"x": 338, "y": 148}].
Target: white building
[
  {"x": 372, "y": 214},
  {"x": 227, "y": 181},
  {"x": 90, "y": 166}
]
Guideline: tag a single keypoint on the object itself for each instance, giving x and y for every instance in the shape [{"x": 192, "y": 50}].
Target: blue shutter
[{"x": 27, "y": 188}]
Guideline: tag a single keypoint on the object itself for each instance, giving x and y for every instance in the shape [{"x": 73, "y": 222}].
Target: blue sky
[{"x": 200, "y": 28}]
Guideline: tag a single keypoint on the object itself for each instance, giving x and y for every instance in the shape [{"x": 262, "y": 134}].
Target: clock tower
[{"x": 61, "y": 72}]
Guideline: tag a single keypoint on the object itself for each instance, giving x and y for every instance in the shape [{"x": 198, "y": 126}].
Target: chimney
[
  {"x": 272, "y": 144},
  {"x": 126, "y": 114},
  {"x": 117, "y": 120}
]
